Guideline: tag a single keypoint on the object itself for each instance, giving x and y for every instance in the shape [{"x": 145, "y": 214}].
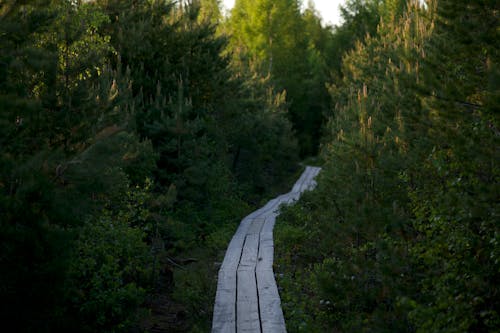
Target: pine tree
[
  {"x": 65, "y": 151},
  {"x": 271, "y": 38},
  {"x": 409, "y": 186},
  {"x": 455, "y": 193}
]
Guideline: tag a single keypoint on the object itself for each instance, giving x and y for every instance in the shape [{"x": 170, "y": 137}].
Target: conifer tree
[
  {"x": 271, "y": 38},
  {"x": 408, "y": 185},
  {"x": 97, "y": 98},
  {"x": 65, "y": 151},
  {"x": 454, "y": 199}
]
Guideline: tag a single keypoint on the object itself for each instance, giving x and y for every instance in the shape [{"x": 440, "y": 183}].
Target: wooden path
[{"x": 247, "y": 298}]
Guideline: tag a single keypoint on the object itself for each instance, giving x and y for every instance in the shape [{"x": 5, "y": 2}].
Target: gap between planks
[{"x": 247, "y": 298}]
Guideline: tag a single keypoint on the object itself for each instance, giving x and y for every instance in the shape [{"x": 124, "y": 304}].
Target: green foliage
[
  {"x": 400, "y": 235},
  {"x": 210, "y": 10},
  {"x": 459, "y": 216},
  {"x": 109, "y": 277},
  {"x": 196, "y": 289},
  {"x": 97, "y": 97},
  {"x": 361, "y": 19},
  {"x": 274, "y": 39}
]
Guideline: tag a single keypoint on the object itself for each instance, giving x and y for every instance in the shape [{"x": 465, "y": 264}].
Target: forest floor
[{"x": 166, "y": 315}]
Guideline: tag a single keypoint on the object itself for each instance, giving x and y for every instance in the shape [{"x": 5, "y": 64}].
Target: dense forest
[
  {"x": 402, "y": 233},
  {"x": 135, "y": 135}
]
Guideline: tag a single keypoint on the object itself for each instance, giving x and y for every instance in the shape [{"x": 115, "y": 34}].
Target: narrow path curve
[{"x": 247, "y": 298}]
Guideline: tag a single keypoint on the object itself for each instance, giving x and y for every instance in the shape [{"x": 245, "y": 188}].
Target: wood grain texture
[
  {"x": 271, "y": 315},
  {"x": 247, "y": 298},
  {"x": 247, "y": 304}
]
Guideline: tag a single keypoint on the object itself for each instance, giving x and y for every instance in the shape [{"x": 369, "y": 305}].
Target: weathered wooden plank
[
  {"x": 312, "y": 183},
  {"x": 309, "y": 172},
  {"x": 315, "y": 171},
  {"x": 266, "y": 252},
  {"x": 247, "y": 298},
  {"x": 269, "y": 223},
  {"x": 248, "y": 259},
  {"x": 224, "y": 318},
  {"x": 309, "y": 183},
  {"x": 233, "y": 253},
  {"x": 266, "y": 237},
  {"x": 299, "y": 181},
  {"x": 256, "y": 225},
  {"x": 288, "y": 198},
  {"x": 247, "y": 304},
  {"x": 271, "y": 314},
  {"x": 269, "y": 206}
]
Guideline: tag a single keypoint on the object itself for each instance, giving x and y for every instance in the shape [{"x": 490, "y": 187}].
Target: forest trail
[{"x": 247, "y": 298}]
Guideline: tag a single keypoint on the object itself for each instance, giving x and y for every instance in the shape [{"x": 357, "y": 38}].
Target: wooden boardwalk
[{"x": 247, "y": 298}]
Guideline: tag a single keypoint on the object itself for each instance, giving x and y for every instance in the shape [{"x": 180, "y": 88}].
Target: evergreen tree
[
  {"x": 125, "y": 137},
  {"x": 65, "y": 150},
  {"x": 405, "y": 207},
  {"x": 271, "y": 38},
  {"x": 455, "y": 193}
]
